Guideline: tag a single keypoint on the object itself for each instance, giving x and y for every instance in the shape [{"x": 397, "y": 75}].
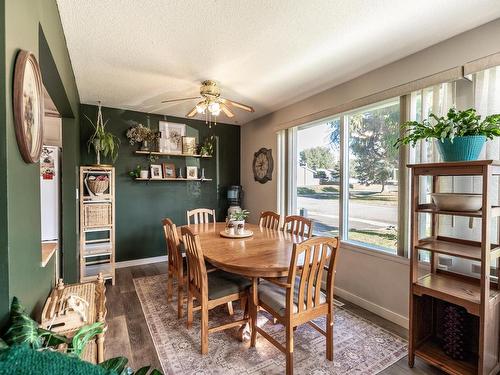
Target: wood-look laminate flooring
[{"x": 128, "y": 334}]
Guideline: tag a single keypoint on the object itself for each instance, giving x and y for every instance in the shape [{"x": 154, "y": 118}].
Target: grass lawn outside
[{"x": 359, "y": 194}]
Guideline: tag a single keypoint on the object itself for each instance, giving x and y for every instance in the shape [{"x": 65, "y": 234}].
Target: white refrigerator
[{"x": 50, "y": 181}]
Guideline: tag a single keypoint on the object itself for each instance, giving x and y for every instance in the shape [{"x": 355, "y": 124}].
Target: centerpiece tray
[{"x": 248, "y": 233}]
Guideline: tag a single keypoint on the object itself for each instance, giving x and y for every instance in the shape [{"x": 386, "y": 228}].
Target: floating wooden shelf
[
  {"x": 431, "y": 209},
  {"x": 458, "y": 248},
  {"x": 451, "y": 289},
  {"x": 173, "y": 179},
  {"x": 156, "y": 153},
  {"x": 431, "y": 352}
]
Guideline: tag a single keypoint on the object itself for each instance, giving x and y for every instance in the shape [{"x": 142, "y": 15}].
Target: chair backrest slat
[
  {"x": 201, "y": 216},
  {"x": 307, "y": 268},
  {"x": 173, "y": 243},
  {"x": 298, "y": 225},
  {"x": 270, "y": 220},
  {"x": 197, "y": 272}
]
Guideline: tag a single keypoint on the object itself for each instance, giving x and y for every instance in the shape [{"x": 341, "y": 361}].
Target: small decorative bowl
[{"x": 457, "y": 201}]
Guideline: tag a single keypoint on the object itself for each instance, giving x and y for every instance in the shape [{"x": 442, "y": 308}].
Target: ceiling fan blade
[
  {"x": 238, "y": 105},
  {"x": 227, "y": 111},
  {"x": 180, "y": 100},
  {"x": 192, "y": 113}
]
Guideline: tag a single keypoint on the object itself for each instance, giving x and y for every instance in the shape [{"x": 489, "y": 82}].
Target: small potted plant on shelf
[
  {"x": 141, "y": 134},
  {"x": 460, "y": 135},
  {"x": 103, "y": 141},
  {"x": 138, "y": 172},
  {"x": 238, "y": 218},
  {"x": 207, "y": 147}
]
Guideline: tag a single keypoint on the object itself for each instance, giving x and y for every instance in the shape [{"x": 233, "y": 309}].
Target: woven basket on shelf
[
  {"x": 97, "y": 215},
  {"x": 98, "y": 186}
]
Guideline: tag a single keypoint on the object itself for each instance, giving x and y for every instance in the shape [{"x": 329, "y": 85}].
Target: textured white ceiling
[{"x": 266, "y": 53}]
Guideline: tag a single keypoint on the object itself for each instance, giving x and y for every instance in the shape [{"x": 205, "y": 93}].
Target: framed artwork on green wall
[{"x": 28, "y": 106}]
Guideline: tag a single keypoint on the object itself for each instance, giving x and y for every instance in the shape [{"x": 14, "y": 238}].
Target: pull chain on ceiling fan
[{"x": 212, "y": 104}]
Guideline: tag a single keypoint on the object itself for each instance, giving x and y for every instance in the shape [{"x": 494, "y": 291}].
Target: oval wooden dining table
[{"x": 265, "y": 254}]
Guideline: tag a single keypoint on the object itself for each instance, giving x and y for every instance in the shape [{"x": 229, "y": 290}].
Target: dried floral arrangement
[{"x": 140, "y": 133}]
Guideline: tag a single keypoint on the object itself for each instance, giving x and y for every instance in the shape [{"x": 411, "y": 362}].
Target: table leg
[{"x": 254, "y": 301}]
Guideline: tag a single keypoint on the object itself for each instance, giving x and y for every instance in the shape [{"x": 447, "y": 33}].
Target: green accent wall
[
  {"x": 4, "y": 255},
  {"x": 140, "y": 206},
  {"x": 34, "y": 25}
]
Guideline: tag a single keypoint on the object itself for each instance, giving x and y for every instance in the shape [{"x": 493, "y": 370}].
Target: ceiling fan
[{"x": 212, "y": 104}]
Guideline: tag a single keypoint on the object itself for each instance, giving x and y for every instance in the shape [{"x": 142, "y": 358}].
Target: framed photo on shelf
[
  {"x": 168, "y": 170},
  {"x": 171, "y": 137},
  {"x": 156, "y": 172},
  {"x": 188, "y": 145},
  {"x": 191, "y": 173}
]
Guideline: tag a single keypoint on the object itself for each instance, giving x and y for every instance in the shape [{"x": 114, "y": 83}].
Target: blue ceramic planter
[{"x": 462, "y": 148}]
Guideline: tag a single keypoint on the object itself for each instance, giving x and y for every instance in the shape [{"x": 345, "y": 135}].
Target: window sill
[
  {"x": 374, "y": 252},
  {"x": 48, "y": 250}
]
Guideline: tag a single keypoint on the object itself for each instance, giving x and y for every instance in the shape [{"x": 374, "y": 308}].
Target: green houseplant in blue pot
[{"x": 460, "y": 135}]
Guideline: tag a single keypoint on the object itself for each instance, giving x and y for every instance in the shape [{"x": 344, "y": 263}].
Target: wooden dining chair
[
  {"x": 297, "y": 298},
  {"x": 298, "y": 225},
  {"x": 210, "y": 289},
  {"x": 269, "y": 219},
  {"x": 201, "y": 216},
  {"x": 204, "y": 216},
  {"x": 176, "y": 264}
]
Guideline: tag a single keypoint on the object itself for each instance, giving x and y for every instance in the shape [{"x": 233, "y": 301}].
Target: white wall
[{"x": 379, "y": 282}]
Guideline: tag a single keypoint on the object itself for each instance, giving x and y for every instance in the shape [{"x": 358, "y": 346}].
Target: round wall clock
[
  {"x": 263, "y": 165},
  {"x": 28, "y": 106}
]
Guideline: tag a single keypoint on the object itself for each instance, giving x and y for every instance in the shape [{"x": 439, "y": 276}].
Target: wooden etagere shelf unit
[
  {"x": 97, "y": 226},
  {"x": 432, "y": 288}
]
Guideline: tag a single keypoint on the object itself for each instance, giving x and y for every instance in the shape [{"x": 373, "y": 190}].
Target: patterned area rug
[{"x": 360, "y": 347}]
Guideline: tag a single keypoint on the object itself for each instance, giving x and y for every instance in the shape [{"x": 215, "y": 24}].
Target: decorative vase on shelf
[
  {"x": 202, "y": 174},
  {"x": 144, "y": 146},
  {"x": 144, "y": 174}
]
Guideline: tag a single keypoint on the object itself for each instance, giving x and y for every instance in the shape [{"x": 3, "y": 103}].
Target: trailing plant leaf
[
  {"x": 115, "y": 364},
  {"x": 23, "y": 329},
  {"x": 52, "y": 339},
  {"x": 3, "y": 345},
  {"x": 455, "y": 124},
  {"x": 156, "y": 372},
  {"x": 83, "y": 336},
  {"x": 142, "y": 371}
]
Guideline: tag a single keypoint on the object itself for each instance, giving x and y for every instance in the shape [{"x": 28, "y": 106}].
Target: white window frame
[{"x": 403, "y": 196}]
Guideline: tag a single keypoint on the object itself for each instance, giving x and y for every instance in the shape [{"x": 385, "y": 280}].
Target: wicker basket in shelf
[
  {"x": 98, "y": 187},
  {"x": 97, "y": 215}
]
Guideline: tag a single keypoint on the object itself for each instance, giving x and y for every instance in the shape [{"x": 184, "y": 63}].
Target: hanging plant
[{"x": 103, "y": 141}]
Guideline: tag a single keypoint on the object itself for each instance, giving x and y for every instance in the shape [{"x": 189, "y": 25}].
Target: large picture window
[
  {"x": 344, "y": 171},
  {"x": 318, "y": 176},
  {"x": 345, "y": 175},
  {"x": 372, "y": 167}
]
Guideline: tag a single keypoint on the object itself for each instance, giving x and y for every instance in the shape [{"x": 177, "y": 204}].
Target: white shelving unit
[{"x": 97, "y": 227}]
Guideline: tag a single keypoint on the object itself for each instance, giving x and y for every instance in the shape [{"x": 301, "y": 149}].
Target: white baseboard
[
  {"x": 140, "y": 262},
  {"x": 373, "y": 307}
]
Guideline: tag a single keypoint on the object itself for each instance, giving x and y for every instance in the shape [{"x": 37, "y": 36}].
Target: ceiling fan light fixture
[
  {"x": 201, "y": 107},
  {"x": 214, "y": 107}
]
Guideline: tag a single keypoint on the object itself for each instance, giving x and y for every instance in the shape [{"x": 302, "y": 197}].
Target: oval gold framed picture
[{"x": 28, "y": 106}]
